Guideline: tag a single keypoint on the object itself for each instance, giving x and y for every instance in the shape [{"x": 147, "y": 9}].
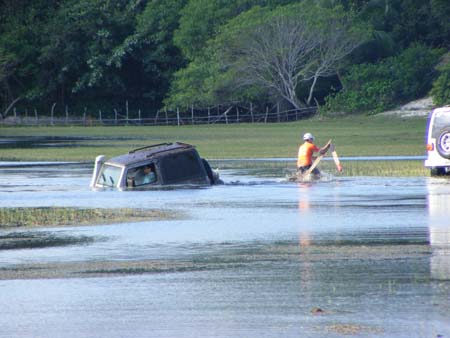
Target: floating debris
[{"x": 317, "y": 311}]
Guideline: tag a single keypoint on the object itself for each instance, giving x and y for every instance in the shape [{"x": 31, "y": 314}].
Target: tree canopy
[{"x": 204, "y": 52}]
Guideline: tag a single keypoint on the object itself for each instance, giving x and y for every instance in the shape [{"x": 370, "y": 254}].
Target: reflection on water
[
  {"x": 30, "y": 142},
  {"x": 253, "y": 258},
  {"x": 439, "y": 227}
]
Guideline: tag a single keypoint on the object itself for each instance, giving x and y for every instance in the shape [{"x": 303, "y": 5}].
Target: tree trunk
[
  {"x": 311, "y": 90},
  {"x": 291, "y": 97},
  {"x": 2, "y": 116},
  {"x": 338, "y": 74}
]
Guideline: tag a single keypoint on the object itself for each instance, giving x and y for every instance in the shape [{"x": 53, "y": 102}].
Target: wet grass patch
[
  {"x": 410, "y": 168},
  {"x": 33, "y": 240},
  {"x": 62, "y": 216},
  {"x": 383, "y": 168},
  {"x": 350, "y": 329},
  {"x": 95, "y": 269},
  {"x": 388, "y": 168}
]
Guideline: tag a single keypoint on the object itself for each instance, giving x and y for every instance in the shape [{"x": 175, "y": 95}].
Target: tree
[
  {"x": 21, "y": 25},
  {"x": 200, "y": 21},
  {"x": 154, "y": 46},
  {"x": 441, "y": 87},
  {"x": 293, "y": 44},
  {"x": 271, "y": 50},
  {"x": 377, "y": 87}
]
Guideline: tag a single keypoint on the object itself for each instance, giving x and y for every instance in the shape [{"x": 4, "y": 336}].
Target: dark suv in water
[{"x": 155, "y": 165}]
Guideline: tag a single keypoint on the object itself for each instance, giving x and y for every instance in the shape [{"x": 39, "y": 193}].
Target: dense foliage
[
  {"x": 441, "y": 88},
  {"x": 101, "y": 53},
  {"x": 270, "y": 52},
  {"x": 379, "y": 86}
]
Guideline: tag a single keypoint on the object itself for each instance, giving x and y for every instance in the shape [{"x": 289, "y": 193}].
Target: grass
[
  {"x": 60, "y": 216},
  {"x": 353, "y": 136},
  {"x": 379, "y": 168},
  {"x": 403, "y": 168}
]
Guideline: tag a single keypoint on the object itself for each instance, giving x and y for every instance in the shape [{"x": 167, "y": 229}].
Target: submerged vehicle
[
  {"x": 438, "y": 141},
  {"x": 155, "y": 165}
]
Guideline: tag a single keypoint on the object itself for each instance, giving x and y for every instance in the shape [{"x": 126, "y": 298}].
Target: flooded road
[{"x": 256, "y": 257}]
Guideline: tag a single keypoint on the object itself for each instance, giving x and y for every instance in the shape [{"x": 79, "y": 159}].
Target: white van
[{"x": 438, "y": 141}]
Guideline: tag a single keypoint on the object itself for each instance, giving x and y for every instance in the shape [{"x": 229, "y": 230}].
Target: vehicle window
[
  {"x": 181, "y": 166},
  {"x": 441, "y": 121},
  {"x": 109, "y": 175},
  {"x": 142, "y": 175}
]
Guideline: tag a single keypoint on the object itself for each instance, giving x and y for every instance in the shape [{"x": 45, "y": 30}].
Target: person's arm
[{"x": 325, "y": 148}]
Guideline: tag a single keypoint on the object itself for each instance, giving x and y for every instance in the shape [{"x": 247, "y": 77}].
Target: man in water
[
  {"x": 306, "y": 152},
  {"x": 145, "y": 175}
]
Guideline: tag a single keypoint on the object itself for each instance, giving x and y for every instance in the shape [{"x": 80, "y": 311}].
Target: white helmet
[{"x": 308, "y": 136}]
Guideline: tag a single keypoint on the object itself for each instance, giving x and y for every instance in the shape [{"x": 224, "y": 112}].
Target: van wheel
[
  {"x": 438, "y": 171},
  {"x": 443, "y": 143}
]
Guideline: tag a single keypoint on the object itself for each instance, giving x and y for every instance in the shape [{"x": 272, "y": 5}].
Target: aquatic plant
[
  {"x": 379, "y": 168},
  {"x": 269, "y": 168},
  {"x": 63, "y": 216}
]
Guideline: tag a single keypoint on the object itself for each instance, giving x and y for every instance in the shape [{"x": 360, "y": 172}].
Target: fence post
[
  {"x": 251, "y": 112},
  {"x": 267, "y": 113},
  {"x": 192, "y": 114},
  {"x": 115, "y": 116},
  {"x": 278, "y": 112},
  {"x": 178, "y": 116},
  {"x": 167, "y": 119},
  {"x": 139, "y": 116},
  {"x": 126, "y": 110},
  {"x": 209, "y": 114},
  {"x": 237, "y": 114},
  {"x": 100, "y": 116},
  {"x": 36, "y": 116},
  {"x": 67, "y": 114},
  {"x": 52, "y": 113}
]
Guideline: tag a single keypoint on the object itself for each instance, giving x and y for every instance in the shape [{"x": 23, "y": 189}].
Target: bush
[
  {"x": 441, "y": 87},
  {"x": 376, "y": 87}
]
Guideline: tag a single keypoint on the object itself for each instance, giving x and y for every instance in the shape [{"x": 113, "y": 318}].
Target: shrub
[
  {"x": 376, "y": 87},
  {"x": 441, "y": 87}
]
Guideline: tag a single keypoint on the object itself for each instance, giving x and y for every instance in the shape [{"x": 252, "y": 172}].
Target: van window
[
  {"x": 441, "y": 121},
  {"x": 181, "y": 166},
  {"x": 109, "y": 175},
  {"x": 142, "y": 175}
]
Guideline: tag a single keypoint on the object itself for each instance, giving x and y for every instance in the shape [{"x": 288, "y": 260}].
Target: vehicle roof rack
[
  {"x": 184, "y": 145},
  {"x": 148, "y": 147}
]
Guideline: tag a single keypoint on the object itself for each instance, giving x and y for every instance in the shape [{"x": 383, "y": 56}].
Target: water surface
[{"x": 256, "y": 257}]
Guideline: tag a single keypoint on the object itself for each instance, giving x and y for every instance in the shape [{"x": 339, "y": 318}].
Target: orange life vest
[{"x": 305, "y": 153}]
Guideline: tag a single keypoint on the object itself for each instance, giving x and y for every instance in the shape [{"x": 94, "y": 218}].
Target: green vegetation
[
  {"x": 378, "y": 168},
  {"x": 60, "y": 216},
  {"x": 268, "y": 51},
  {"x": 400, "y": 168},
  {"x": 441, "y": 87},
  {"x": 353, "y": 136},
  {"x": 378, "y": 87},
  {"x": 91, "y": 55}
]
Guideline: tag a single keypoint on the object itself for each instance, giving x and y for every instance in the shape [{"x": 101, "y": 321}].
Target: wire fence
[{"x": 223, "y": 114}]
